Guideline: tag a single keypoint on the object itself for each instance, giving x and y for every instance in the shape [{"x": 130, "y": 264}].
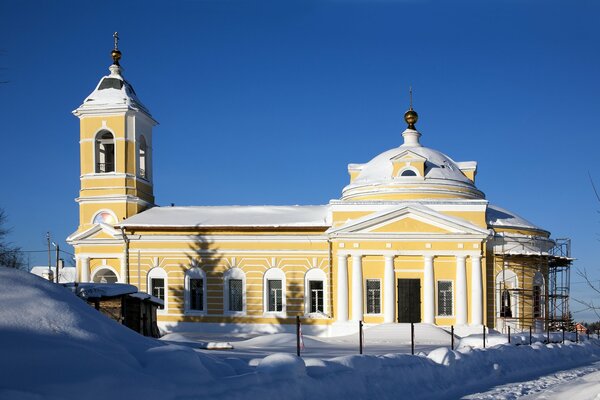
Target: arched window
[
  {"x": 158, "y": 284},
  {"x": 195, "y": 291},
  {"x": 507, "y": 297},
  {"x": 105, "y": 152},
  {"x": 105, "y": 275},
  {"x": 538, "y": 290},
  {"x": 142, "y": 158},
  {"x": 408, "y": 172},
  {"x": 234, "y": 291},
  {"x": 315, "y": 292},
  {"x": 274, "y": 291}
]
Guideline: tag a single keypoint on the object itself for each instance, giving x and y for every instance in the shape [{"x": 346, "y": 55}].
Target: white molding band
[
  {"x": 428, "y": 291},
  {"x": 461, "y": 290},
  {"x": 357, "y": 288},
  {"x": 476, "y": 291},
  {"x": 342, "y": 288},
  {"x": 389, "y": 290}
]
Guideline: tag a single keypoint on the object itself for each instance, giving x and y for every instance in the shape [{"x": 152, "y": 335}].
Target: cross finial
[
  {"x": 410, "y": 94},
  {"x": 116, "y": 37},
  {"x": 115, "y": 53}
]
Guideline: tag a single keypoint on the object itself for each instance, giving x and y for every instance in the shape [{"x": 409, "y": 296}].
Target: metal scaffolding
[{"x": 559, "y": 277}]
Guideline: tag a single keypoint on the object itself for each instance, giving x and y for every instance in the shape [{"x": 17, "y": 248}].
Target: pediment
[
  {"x": 96, "y": 232},
  {"x": 408, "y": 155},
  {"x": 409, "y": 220}
]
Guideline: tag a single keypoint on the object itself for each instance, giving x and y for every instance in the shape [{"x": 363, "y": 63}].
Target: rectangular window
[
  {"x": 196, "y": 294},
  {"x": 275, "y": 296},
  {"x": 316, "y": 296},
  {"x": 445, "y": 298},
  {"x": 373, "y": 296},
  {"x": 158, "y": 289},
  {"x": 236, "y": 295}
]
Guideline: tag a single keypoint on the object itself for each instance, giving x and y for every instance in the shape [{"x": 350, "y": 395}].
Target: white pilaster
[
  {"x": 461, "y": 290},
  {"x": 123, "y": 270},
  {"x": 476, "y": 291},
  {"x": 389, "y": 290},
  {"x": 84, "y": 266},
  {"x": 342, "y": 288},
  {"x": 357, "y": 288},
  {"x": 428, "y": 291}
]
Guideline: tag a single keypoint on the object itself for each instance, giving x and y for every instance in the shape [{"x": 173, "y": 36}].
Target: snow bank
[{"x": 54, "y": 346}]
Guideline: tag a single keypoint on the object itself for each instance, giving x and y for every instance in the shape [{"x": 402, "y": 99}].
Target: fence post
[
  {"x": 548, "y": 334},
  {"x": 298, "y": 335},
  {"x": 576, "y": 335},
  {"x": 484, "y": 336},
  {"x": 360, "y": 337},
  {"x": 530, "y": 335},
  {"x": 412, "y": 338},
  {"x": 509, "y": 334},
  {"x": 452, "y": 334},
  {"x": 563, "y": 329}
]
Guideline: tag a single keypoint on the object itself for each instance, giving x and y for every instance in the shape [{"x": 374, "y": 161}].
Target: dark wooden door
[{"x": 409, "y": 300}]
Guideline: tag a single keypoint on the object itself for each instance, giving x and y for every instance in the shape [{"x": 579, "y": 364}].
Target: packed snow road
[{"x": 581, "y": 383}]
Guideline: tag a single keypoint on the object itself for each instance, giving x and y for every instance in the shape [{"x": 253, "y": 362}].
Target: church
[{"x": 410, "y": 239}]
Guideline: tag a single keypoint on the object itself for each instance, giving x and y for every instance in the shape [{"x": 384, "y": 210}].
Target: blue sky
[{"x": 267, "y": 102}]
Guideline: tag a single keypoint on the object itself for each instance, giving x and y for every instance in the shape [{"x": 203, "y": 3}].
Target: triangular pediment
[
  {"x": 96, "y": 232},
  {"x": 408, "y": 155},
  {"x": 409, "y": 220}
]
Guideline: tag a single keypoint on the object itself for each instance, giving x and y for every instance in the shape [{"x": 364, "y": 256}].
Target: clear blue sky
[{"x": 267, "y": 102}]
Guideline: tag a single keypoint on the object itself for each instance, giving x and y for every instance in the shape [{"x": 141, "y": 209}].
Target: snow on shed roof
[
  {"x": 228, "y": 216},
  {"x": 101, "y": 290},
  {"x": 500, "y": 217}
]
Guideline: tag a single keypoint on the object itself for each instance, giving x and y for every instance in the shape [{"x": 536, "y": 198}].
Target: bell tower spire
[{"x": 411, "y": 135}]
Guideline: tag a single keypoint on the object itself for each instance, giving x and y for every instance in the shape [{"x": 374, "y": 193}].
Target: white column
[
  {"x": 357, "y": 288},
  {"x": 389, "y": 290},
  {"x": 428, "y": 291},
  {"x": 342, "y": 288},
  {"x": 123, "y": 271},
  {"x": 84, "y": 267},
  {"x": 476, "y": 291},
  {"x": 461, "y": 290}
]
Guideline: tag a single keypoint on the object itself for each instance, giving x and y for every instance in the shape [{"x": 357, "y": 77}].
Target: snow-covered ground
[{"x": 54, "y": 346}]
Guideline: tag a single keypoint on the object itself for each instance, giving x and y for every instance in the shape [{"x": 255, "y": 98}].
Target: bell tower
[{"x": 116, "y": 151}]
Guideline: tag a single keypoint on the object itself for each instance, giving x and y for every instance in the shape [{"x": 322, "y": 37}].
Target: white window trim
[
  {"x": 411, "y": 168},
  {"x": 274, "y": 274},
  {"x": 437, "y": 302},
  {"x": 233, "y": 273},
  {"x": 509, "y": 276},
  {"x": 159, "y": 273},
  {"x": 105, "y": 267},
  {"x": 367, "y": 297},
  {"x": 95, "y": 151},
  {"x": 315, "y": 274},
  {"x": 194, "y": 273},
  {"x": 142, "y": 139}
]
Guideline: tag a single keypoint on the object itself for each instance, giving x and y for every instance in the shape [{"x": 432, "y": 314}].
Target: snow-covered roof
[
  {"x": 502, "y": 218},
  {"x": 101, "y": 290},
  {"x": 65, "y": 275},
  {"x": 146, "y": 296},
  {"x": 231, "y": 216},
  {"x": 113, "y": 91}
]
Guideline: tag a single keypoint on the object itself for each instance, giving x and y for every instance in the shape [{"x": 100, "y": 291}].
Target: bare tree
[{"x": 10, "y": 255}]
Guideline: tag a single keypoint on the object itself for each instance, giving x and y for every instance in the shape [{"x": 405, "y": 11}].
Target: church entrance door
[{"x": 409, "y": 300}]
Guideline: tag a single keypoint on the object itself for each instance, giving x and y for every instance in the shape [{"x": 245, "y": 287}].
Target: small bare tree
[{"x": 10, "y": 255}]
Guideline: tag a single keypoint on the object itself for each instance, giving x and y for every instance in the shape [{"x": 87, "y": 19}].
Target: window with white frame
[
  {"x": 143, "y": 158},
  {"x": 195, "y": 291},
  {"x": 315, "y": 292},
  {"x": 157, "y": 284},
  {"x": 444, "y": 298},
  {"x": 234, "y": 291},
  {"x": 373, "y": 296},
  {"x": 274, "y": 291}
]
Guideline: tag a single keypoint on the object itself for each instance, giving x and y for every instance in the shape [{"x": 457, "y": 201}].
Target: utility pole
[
  {"x": 57, "y": 261},
  {"x": 49, "y": 257}
]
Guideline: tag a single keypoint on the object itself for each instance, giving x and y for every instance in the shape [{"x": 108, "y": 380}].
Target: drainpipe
[{"x": 126, "y": 250}]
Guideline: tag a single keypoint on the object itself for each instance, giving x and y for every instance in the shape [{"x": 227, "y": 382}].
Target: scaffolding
[{"x": 531, "y": 278}]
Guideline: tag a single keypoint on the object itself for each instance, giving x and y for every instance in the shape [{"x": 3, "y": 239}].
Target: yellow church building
[{"x": 411, "y": 239}]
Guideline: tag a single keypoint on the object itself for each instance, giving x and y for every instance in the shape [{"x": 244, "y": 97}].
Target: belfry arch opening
[
  {"x": 105, "y": 152},
  {"x": 143, "y": 158}
]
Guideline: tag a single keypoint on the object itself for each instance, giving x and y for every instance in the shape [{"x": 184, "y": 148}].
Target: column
[
  {"x": 428, "y": 291},
  {"x": 476, "y": 291},
  {"x": 389, "y": 290},
  {"x": 357, "y": 288},
  {"x": 84, "y": 267},
  {"x": 461, "y": 290},
  {"x": 123, "y": 271},
  {"x": 342, "y": 288}
]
